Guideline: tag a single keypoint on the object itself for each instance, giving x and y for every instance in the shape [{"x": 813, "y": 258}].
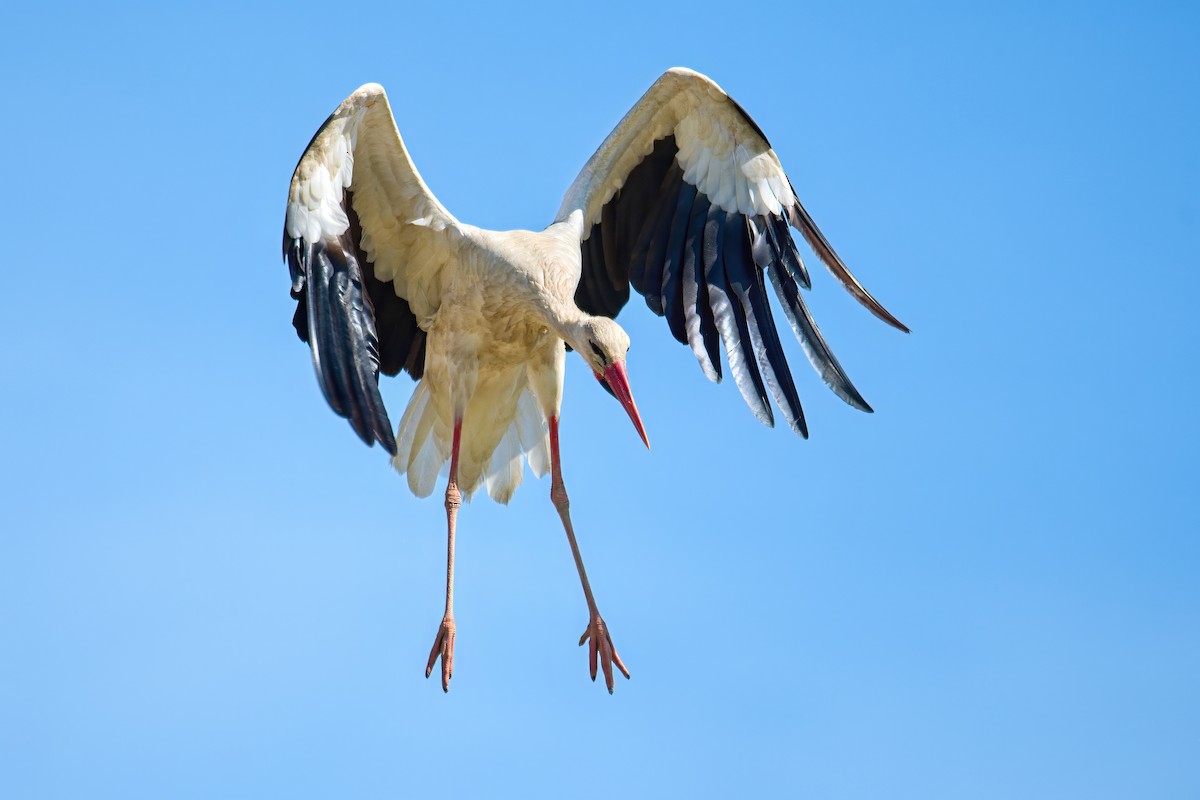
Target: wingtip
[
  {"x": 370, "y": 435},
  {"x": 800, "y": 219},
  {"x": 846, "y": 390},
  {"x": 887, "y": 317}
]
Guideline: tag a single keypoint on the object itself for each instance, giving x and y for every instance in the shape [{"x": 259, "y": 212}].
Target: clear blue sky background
[{"x": 987, "y": 589}]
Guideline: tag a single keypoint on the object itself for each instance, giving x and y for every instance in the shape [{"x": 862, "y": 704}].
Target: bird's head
[{"x": 604, "y": 346}]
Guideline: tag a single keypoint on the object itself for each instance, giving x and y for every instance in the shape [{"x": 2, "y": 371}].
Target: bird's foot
[
  {"x": 443, "y": 646},
  {"x": 601, "y": 650}
]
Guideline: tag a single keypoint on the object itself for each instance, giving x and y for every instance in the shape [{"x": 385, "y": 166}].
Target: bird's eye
[{"x": 599, "y": 353}]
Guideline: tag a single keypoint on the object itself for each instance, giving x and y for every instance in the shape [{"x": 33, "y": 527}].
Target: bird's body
[
  {"x": 684, "y": 201},
  {"x": 493, "y": 359}
]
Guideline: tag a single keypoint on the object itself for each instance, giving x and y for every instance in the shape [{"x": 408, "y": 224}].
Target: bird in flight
[{"x": 685, "y": 202}]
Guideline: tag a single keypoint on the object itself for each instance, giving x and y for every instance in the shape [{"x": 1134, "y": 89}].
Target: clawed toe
[
  {"x": 443, "y": 647},
  {"x": 601, "y": 651}
]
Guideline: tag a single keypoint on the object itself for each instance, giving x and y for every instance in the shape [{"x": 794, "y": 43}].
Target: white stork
[{"x": 685, "y": 201}]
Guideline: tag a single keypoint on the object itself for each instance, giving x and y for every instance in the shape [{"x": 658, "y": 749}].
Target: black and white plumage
[{"x": 685, "y": 202}]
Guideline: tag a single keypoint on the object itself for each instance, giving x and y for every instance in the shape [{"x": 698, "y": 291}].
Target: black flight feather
[
  {"x": 730, "y": 321},
  {"x": 811, "y": 340},
  {"x": 802, "y": 222},
  {"x": 355, "y": 325},
  {"x": 701, "y": 327},
  {"x": 608, "y": 261},
  {"x": 648, "y": 257},
  {"x": 637, "y": 200},
  {"x": 746, "y": 278},
  {"x": 612, "y": 288},
  {"x": 341, "y": 333},
  {"x": 785, "y": 245},
  {"x": 671, "y": 294}
]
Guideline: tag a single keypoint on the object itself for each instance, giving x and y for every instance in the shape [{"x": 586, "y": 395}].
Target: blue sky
[{"x": 987, "y": 589}]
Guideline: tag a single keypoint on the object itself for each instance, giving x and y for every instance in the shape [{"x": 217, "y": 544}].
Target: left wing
[
  {"x": 367, "y": 243},
  {"x": 687, "y": 202}
]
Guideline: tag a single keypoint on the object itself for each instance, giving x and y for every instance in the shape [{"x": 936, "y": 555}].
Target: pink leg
[
  {"x": 601, "y": 647},
  {"x": 443, "y": 645}
]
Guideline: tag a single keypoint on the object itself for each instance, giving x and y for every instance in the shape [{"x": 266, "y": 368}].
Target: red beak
[{"x": 618, "y": 383}]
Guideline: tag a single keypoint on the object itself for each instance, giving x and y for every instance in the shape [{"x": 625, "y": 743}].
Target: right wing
[
  {"x": 366, "y": 243},
  {"x": 686, "y": 202}
]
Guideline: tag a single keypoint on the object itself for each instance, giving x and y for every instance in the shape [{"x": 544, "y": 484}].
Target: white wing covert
[
  {"x": 366, "y": 243},
  {"x": 686, "y": 202}
]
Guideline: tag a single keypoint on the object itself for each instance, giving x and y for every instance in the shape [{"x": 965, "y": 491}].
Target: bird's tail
[
  {"x": 422, "y": 442},
  {"x": 501, "y": 425}
]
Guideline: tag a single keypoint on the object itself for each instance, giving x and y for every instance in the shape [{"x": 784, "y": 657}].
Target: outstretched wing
[
  {"x": 687, "y": 202},
  {"x": 366, "y": 243}
]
